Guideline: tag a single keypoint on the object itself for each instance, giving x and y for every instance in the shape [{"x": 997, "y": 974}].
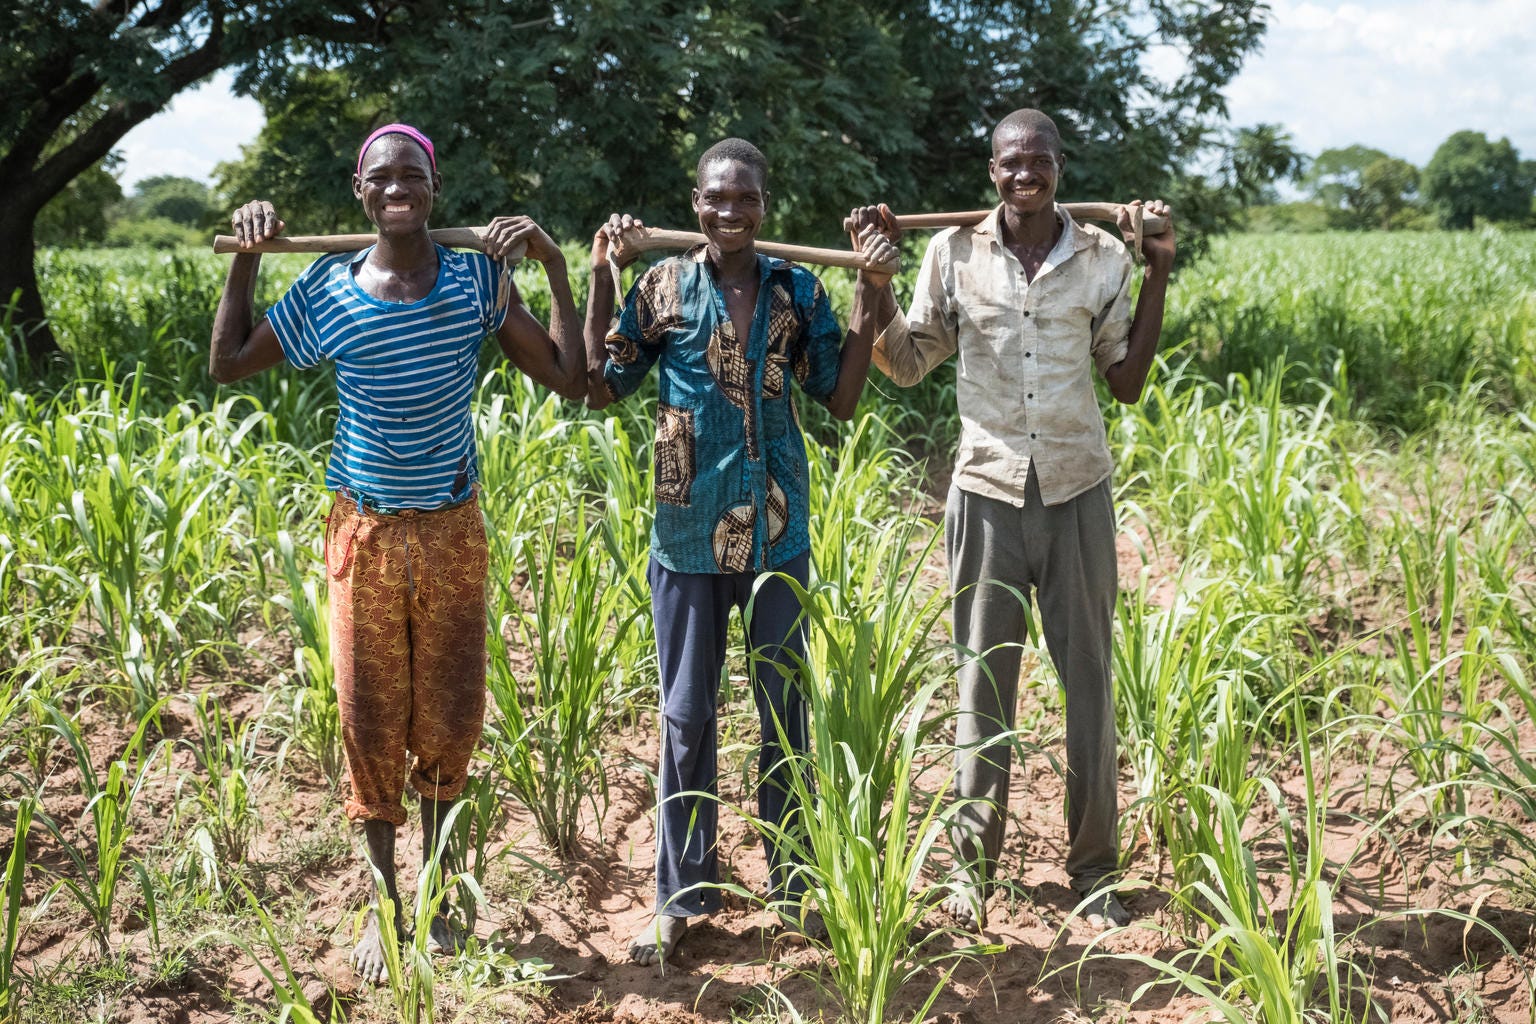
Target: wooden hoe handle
[
  {"x": 646, "y": 239},
  {"x": 965, "y": 218},
  {"x": 453, "y": 238}
]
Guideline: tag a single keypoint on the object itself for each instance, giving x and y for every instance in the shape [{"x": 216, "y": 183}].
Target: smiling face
[
  {"x": 1025, "y": 168},
  {"x": 731, "y": 202},
  {"x": 397, "y": 185}
]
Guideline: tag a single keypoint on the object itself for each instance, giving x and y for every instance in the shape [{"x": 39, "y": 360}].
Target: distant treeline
[{"x": 1470, "y": 180}]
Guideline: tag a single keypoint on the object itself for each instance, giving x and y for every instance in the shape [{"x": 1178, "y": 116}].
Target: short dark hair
[
  {"x": 1028, "y": 120},
  {"x": 737, "y": 151}
]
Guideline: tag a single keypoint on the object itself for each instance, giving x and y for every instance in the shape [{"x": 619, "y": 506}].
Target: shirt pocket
[
  {"x": 990, "y": 321},
  {"x": 340, "y": 541}
]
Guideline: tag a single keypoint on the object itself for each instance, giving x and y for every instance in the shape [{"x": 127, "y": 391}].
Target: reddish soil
[{"x": 579, "y": 916}]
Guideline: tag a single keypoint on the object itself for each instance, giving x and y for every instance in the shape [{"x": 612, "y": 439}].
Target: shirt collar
[
  {"x": 1072, "y": 238},
  {"x": 362, "y": 253}
]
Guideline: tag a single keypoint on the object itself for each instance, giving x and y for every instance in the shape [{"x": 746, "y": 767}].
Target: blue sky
[{"x": 1399, "y": 75}]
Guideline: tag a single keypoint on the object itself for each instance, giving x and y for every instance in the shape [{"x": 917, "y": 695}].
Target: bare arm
[
  {"x": 601, "y": 296},
  {"x": 1128, "y": 377},
  {"x": 240, "y": 348},
  {"x": 853, "y": 362},
  {"x": 551, "y": 357}
]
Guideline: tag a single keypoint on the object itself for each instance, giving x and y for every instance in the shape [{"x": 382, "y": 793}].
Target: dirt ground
[{"x": 579, "y": 916}]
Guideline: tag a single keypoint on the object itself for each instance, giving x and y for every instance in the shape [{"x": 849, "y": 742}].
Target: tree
[
  {"x": 1335, "y": 174},
  {"x": 180, "y": 200},
  {"x": 1470, "y": 177},
  {"x": 78, "y": 214},
  {"x": 1256, "y": 158},
  {"x": 1362, "y": 187},
  {"x": 300, "y": 159},
  {"x": 78, "y": 76},
  {"x": 1387, "y": 188},
  {"x": 568, "y": 111}
]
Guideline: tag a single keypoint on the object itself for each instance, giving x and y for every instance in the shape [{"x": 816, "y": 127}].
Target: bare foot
[
  {"x": 1103, "y": 911},
  {"x": 967, "y": 906},
  {"x": 368, "y": 955},
  {"x": 803, "y": 928},
  {"x": 443, "y": 939},
  {"x": 656, "y": 941}
]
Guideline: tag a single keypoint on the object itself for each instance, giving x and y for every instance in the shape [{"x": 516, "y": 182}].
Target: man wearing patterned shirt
[
  {"x": 1032, "y": 302},
  {"x": 729, "y": 330},
  {"x": 402, "y": 322}
]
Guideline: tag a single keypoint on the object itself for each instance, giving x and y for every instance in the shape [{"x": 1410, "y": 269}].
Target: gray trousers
[
  {"x": 1066, "y": 554},
  {"x": 692, "y": 612}
]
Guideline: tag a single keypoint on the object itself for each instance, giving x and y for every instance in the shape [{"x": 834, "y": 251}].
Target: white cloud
[
  {"x": 200, "y": 128},
  {"x": 1399, "y": 75}
]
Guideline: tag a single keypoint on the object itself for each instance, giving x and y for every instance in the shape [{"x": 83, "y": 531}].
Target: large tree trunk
[
  {"x": 93, "y": 75},
  {"x": 18, "y": 284}
]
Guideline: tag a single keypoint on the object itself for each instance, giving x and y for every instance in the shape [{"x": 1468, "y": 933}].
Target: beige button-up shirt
[{"x": 1024, "y": 382}]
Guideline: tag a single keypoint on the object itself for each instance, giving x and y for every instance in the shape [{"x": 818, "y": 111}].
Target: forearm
[
  {"x": 885, "y": 308},
  {"x": 570, "y": 359},
  {"x": 1128, "y": 377},
  {"x": 232, "y": 322},
  {"x": 600, "y": 299},
  {"x": 858, "y": 344}
]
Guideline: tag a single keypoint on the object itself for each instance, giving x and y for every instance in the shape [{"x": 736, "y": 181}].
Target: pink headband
[{"x": 398, "y": 129}]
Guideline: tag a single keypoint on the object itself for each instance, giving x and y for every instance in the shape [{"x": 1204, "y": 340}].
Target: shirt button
[
  {"x": 1026, "y": 312},
  {"x": 1030, "y": 395},
  {"x": 1033, "y": 436},
  {"x": 1028, "y": 354}
]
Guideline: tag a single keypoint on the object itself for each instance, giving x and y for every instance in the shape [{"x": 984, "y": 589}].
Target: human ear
[{"x": 357, "y": 186}]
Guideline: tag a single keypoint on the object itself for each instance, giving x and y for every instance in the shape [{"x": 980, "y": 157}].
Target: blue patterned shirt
[
  {"x": 731, "y": 475},
  {"x": 405, "y": 374}
]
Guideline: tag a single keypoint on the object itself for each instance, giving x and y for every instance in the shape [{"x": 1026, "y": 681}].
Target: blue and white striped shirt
[{"x": 405, "y": 374}]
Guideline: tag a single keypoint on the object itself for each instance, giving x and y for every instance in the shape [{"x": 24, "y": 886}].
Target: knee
[{"x": 687, "y": 719}]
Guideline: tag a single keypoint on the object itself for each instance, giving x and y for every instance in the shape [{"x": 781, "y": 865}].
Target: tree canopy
[
  {"x": 176, "y": 198},
  {"x": 78, "y": 76},
  {"x": 1362, "y": 187},
  {"x": 567, "y": 111},
  {"x": 1471, "y": 177}
]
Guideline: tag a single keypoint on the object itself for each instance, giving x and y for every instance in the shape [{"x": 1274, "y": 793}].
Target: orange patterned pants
[{"x": 408, "y": 643}]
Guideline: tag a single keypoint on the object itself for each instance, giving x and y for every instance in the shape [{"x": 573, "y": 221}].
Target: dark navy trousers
[{"x": 692, "y": 612}]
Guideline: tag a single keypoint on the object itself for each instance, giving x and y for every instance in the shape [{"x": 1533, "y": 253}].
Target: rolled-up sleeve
[
  {"x": 912, "y": 344},
  {"x": 821, "y": 338},
  {"x": 1112, "y": 325},
  {"x": 632, "y": 350}
]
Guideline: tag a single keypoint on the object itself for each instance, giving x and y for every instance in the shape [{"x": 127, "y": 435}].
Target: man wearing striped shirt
[{"x": 402, "y": 323}]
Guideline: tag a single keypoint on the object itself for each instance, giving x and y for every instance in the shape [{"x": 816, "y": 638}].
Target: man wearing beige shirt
[{"x": 1032, "y": 302}]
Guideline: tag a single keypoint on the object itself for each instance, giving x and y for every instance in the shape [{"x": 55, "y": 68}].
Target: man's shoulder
[
  {"x": 670, "y": 269},
  {"x": 956, "y": 244},
  {"x": 463, "y": 259},
  {"x": 1094, "y": 239},
  {"x": 322, "y": 272},
  {"x": 803, "y": 283}
]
